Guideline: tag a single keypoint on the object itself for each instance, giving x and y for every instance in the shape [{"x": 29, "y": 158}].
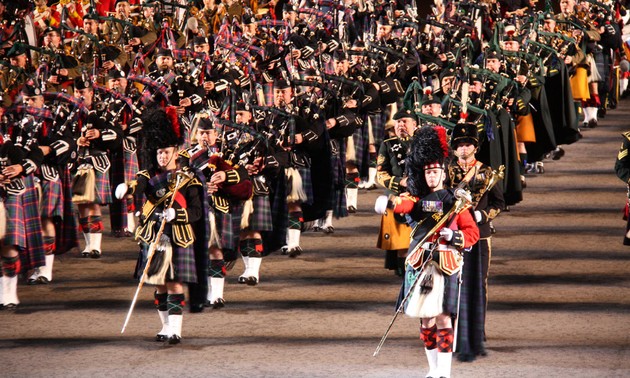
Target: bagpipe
[
  {"x": 156, "y": 87},
  {"x": 240, "y": 191},
  {"x": 51, "y": 61},
  {"x": 68, "y": 120}
]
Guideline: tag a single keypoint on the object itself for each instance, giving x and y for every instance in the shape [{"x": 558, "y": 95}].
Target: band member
[
  {"x": 226, "y": 209},
  {"x": 22, "y": 246},
  {"x": 124, "y": 159},
  {"x": 60, "y": 68},
  {"x": 487, "y": 203},
  {"x": 299, "y": 165},
  {"x": 57, "y": 144},
  {"x": 91, "y": 53},
  {"x": 392, "y": 156},
  {"x": 438, "y": 259},
  {"x": 97, "y": 138},
  {"x": 175, "y": 202},
  {"x": 259, "y": 219}
]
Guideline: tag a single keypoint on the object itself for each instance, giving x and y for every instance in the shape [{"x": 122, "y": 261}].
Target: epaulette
[
  {"x": 144, "y": 173},
  {"x": 626, "y": 135}
]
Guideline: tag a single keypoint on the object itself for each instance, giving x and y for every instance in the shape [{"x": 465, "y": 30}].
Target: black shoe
[
  {"x": 219, "y": 303},
  {"x": 161, "y": 338},
  {"x": 174, "y": 340},
  {"x": 329, "y": 230},
  {"x": 207, "y": 304},
  {"x": 252, "y": 281},
  {"x": 10, "y": 307},
  {"x": 95, "y": 254},
  {"x": 558, "y": 153},
  {"x": 295, "y": 252},
  {"x": 592, "y": 123},
  {"x": 352, "y": 209},
  {"x": 85, "y": 254},
  {"x": 242, "y": 279},
  {"x": 41, "y": 280},
  {"x": 196, "y": 308}
]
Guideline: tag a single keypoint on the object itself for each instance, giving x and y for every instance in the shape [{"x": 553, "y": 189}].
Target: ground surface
[{"x": 559, "y": 298}]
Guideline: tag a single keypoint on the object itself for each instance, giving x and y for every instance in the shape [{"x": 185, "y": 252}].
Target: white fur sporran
[
  {"x": 427, "y": 305},
  {"x": 248, "y": 210},
  {"x": 297, "y": 193}
]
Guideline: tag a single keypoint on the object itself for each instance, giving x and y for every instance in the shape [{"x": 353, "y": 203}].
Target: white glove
[
  {"x": 446, "y": 234},
  {"x": 169, "y": 214},
  {"x": 121, "y": 191},
  {"x": 478, "y": 216},
  {"x": 380, "y": 206}
]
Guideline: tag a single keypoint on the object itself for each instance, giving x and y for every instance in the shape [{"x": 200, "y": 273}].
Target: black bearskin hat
[
  {"x": 465, "y": 132},
  {"x": 429, "y": 149},
  {"x": 160, "y": 129}
]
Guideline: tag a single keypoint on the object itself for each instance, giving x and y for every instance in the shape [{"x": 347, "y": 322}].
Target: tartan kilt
[
  {"x": 377, "y": 128},
  {"x": 340, "y": 209},
  {"x": 451, "y": 288},
  {"x": 261, "y": 219},
  {"x": 183, "y": 264},
  {"x": 307, "y": 184},
  {"x": 131, "y": 166},
  {"x": 229, "y": 225},
  {"x": 24, "y": 227},
  {"x": 51, "y": 202},
  {"x": 102, "y": 187},
  {"x": 339, "y": 181}
]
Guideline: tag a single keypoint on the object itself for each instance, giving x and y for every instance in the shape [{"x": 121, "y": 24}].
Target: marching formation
[{"x": 220, "y": 131}]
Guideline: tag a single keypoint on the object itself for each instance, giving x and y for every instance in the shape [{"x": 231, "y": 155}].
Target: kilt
[
  {"x": 183, "y": 264},
  {"x": 525, "y": 132},
  {"x": 132, "y": 167},
  {"x": 261, "y": 219},
  {"x": 376, "y": 127},
  {"x": 340, "y": 209},
  {"x": 451, "y": 290},
  {"x": 228, "y": 226},
  {"x": 24, "y": 227},
  {"x": 51, "y": 203},
  {"x": 579, "y": 85},
  {"x": 393, "y": 235},
  {"x": 307, "y": 184},
  {"x": 473, "y": 303},
  {"x": 102, "y": 187}
]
